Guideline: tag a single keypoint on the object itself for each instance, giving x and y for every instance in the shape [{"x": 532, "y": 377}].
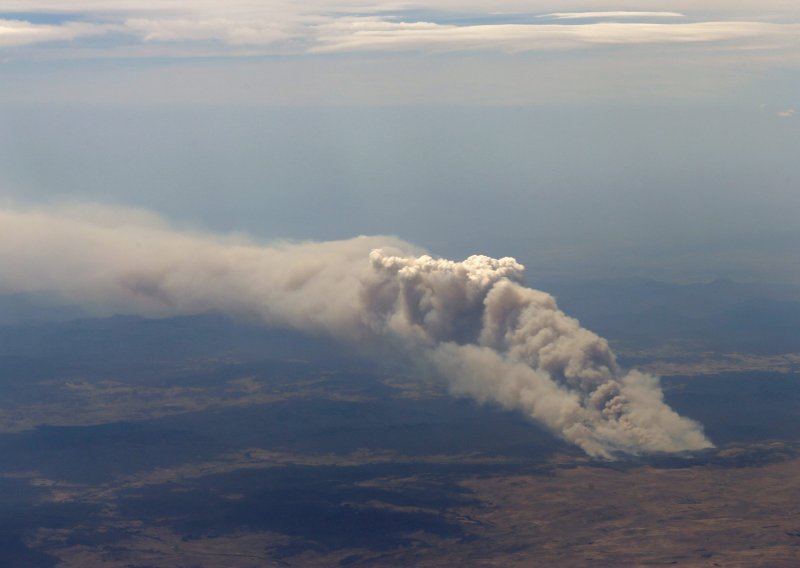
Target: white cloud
[
  {"x": 612, "y": 15},
  {"x": 19, "y": 32},
  {"x": 379, "y": 35},
  {"x": 789, "y": 112}
]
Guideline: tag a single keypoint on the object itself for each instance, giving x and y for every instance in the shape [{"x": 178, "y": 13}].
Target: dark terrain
[{"x": 197, "y": 441}]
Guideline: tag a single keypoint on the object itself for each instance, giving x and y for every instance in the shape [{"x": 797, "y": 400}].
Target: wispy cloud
[
  {"x": 229, "y": 31},
  {"x": 20, "y": 32},
  {"x": 789, "y": 112},
  {"x": 380, "y": 35},
  {"x": 611, "y": 15}
]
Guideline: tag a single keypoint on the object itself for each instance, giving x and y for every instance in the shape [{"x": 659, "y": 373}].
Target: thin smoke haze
[{"x": 474, "y": 323}]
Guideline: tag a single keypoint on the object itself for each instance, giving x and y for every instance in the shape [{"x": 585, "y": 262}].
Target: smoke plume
[{"x": 473, "y": 322}]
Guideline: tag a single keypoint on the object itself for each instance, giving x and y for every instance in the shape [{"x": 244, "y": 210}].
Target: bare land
[{"x": 724, "y": 512}]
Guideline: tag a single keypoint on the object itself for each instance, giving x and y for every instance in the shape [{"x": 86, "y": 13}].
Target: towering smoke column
[
  {"x": 473, "y": 322},
  {"x": 496, "y": 340}
]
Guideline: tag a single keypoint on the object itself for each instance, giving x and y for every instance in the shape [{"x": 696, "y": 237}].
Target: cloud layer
[
  {"x": 474, "y": 323},
  {"x": 278, "y": 27}
]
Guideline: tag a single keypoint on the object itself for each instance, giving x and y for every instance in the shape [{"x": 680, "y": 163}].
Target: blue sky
[{"x": 587, "y": 138}]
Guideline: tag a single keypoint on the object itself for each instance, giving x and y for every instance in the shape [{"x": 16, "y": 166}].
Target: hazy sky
[{"x": 587, "y": 138}]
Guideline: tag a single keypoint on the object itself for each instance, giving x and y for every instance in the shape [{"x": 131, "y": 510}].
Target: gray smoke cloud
[{"x": 474, "y": 322}]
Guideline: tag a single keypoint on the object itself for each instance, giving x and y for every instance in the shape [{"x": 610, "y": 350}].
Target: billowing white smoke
[{"x": 474, "y": 322}]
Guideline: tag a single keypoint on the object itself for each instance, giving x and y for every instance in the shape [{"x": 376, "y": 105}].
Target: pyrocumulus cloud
[{"x": 474, "y": 322}]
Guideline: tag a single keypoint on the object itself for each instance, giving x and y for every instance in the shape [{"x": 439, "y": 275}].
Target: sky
[{"x": 586, "y": 138}]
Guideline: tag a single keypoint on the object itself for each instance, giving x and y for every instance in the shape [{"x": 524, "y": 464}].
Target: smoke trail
[{"x": 473, "y": 322}]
